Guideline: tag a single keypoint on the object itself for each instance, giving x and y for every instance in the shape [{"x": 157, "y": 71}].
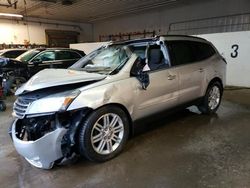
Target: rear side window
[
  {"x": 181, "y": 52},
  {"x": 64, "y": 55},
  {"x": 74, "y": 55},
  {"x": 185, "y": 52},
  {"x": 45, "y": 56}
]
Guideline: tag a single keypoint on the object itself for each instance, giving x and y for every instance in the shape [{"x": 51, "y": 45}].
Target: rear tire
[
  {"x": 103, "y": 134},
  {"x": 212, "y": 99}
]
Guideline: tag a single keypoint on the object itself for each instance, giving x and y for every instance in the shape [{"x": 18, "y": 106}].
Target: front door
[
  {"x": 42, "y": 61},
  {"x": 162, "y": 92}
]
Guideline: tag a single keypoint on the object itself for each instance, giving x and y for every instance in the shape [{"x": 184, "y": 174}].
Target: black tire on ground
[
  {"x": 204, "y": 107},
  {"x": 85, "y": 143},
  {"x": 18, "y": 81},
  {"x": 2, "y": 106}
]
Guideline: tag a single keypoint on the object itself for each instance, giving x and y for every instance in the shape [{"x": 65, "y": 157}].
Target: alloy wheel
[
  {"x": 107, "y": 133},
  {"x": 214, "y": 97}
]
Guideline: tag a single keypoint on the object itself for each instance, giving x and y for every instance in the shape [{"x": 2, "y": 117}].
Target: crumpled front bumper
[{"x": 43, "y": 152}]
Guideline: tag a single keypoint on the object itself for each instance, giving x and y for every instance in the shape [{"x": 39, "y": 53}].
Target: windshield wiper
[{"x": 95, "y": 69}]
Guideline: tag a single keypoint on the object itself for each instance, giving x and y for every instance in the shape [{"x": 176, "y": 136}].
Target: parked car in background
[
  {"x": 13, "y": 73},
  {"x": 2, "y": 96},
  {"x": 12, "y": 53},
  {"x": 89, "y": 108},
  {"x": 18, "y": 71},
  {"x": 41, "y": 58}
]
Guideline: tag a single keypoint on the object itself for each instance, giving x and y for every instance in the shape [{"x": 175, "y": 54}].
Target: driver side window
[
  {"x": 45, "y": 56},
  {"x": 154, "y": 56},
  {"x": 156, "y": 60}
]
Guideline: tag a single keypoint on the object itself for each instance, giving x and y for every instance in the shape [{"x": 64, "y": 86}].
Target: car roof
[
  {"x": 13, "y": 49},
  {"x": 54, "y": 49},
  {"x": 162, "y": 38},
  {"x": 182, "y": 37}
]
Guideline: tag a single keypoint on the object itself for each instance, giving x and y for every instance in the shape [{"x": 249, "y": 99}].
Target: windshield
[
  {"x": 105, "y": 60},
  {"x": 25, "y": 57}
]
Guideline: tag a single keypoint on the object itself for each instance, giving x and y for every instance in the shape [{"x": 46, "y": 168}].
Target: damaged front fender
[{"x": 121, "y": 92}]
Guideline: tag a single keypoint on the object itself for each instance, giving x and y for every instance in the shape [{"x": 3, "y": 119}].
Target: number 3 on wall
[{"x": 235, "y": 52}]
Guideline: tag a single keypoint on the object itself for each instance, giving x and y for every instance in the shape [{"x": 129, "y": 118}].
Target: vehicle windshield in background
[
  {"x": 105, "y": 60},
  {"x": 3, "y": 62},
  {"x": 12, "y": 53},
  {"x": 25, "y": 57}
]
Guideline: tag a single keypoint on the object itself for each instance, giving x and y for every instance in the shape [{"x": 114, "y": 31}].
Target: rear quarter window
[{"x": 202, "y": 50}]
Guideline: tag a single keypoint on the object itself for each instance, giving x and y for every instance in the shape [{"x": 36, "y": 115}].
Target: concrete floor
[{"x": 184, "y": 149}]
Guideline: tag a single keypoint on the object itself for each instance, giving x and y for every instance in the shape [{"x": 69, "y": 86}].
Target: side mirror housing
[
  {"x": 36, "y": 62},
  {"x": 137, "y": 72},
  {"x": 143, "y": 77},
  {"x": 138, "y": 65}
]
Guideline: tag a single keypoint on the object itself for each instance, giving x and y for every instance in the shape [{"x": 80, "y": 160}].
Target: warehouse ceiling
[{"x": 83, "y": 10}]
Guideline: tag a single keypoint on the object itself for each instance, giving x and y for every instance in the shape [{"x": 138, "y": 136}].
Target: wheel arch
[
  {"x": 216, "y": 79},
  {"x": 209, "y": 83}
]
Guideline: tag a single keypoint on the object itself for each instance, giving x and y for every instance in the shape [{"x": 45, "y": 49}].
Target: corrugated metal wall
[{"x": 230, "y": 23}]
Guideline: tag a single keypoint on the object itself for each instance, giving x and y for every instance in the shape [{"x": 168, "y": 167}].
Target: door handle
[
  {"x": 171, "y": 77},
  {"x": 201, "y": 70}
]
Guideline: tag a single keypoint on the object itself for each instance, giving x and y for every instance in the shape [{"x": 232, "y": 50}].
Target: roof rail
[{"x": 187, "y": 36}]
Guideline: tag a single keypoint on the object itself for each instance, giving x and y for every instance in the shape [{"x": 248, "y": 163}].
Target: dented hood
[{"x": 57, "y": 77}]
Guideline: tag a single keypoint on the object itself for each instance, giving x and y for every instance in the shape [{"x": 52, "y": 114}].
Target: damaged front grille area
[
  {"x": 39, "y": 129},
  {"x": 31, "y": 129},
  {"x": 21, "y": 105}
]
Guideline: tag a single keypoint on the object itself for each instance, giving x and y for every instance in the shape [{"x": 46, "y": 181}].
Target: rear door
[{"x": 190, "y": 69}]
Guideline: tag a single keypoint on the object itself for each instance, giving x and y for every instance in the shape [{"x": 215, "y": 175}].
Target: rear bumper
[{"x": 41, "y": 153}]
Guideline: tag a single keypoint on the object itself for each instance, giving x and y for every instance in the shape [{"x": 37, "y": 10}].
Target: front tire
[
  {"x": 17, "y": 82},
  {"x": 212, "y": 99},
  {"x": 103, "y": 134}
]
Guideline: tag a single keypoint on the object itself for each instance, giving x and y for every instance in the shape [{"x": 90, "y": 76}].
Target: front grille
[{"x": 20, "y": 106}]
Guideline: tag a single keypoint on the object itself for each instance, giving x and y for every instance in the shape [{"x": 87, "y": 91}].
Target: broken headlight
[{"x": 53, "y": 103}]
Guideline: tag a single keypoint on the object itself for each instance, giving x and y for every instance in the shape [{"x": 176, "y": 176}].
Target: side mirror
[
  {"x": 36, "y": 62},
  {"x": 143, "y": 77},
  {"x": 137, "y": 72},
  {"x": 137, "y": 67}
]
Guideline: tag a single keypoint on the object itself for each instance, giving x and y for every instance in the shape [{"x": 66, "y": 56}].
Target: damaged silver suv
[{"x": 89, "y": 108}]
